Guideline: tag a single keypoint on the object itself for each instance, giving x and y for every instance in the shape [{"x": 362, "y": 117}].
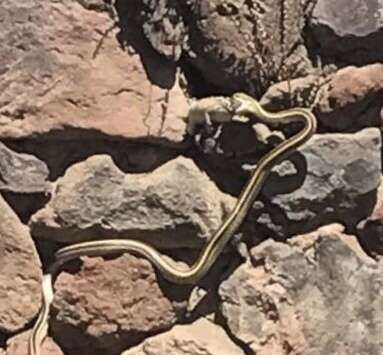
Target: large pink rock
[
  {"x": 62, "y": 68},
  {"x": 108, "y": 305},
  {"x": 354, "y": 98},
  {"x": 20, "y": 274}
]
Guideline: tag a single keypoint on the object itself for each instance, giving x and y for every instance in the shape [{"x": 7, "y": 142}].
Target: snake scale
[{"x": 241, "y": 105}]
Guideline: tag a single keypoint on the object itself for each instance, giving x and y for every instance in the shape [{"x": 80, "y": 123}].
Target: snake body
[{"x": 243, "y": 105}]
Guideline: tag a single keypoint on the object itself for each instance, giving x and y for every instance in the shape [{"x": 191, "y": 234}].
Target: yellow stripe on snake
[{"x": 241, "y": 105}]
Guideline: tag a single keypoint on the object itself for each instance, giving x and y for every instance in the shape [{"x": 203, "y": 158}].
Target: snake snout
[{"x": 241, "y": 103}]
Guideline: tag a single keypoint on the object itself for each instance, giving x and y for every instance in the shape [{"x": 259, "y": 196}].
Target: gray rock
[
  {"x": 199, "y": 338},
  {"x": 349, "y": 30},
  {"x": 319, "y": 294},
  {"x": 332, "y": 178},
  {"x": 20, "y": 275},
  {"x": 164, "y": 27},
  {"x": 22, "y": 173},
  {"x": 174, "y": 206},
  {"x": 240, "y": 45}
]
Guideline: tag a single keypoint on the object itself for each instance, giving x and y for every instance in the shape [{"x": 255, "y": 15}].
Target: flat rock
[
  {"x": 332, "y": 178},
  {"x": 22, "y": 173},
  {"x": 20, "y": 275},
  {"x": 353, "y": 39},
  {"x": 199, "y": 338},
  {"x": 174, "y": 206},
  {"x": 348, "y": 100},
  {"x": 18, "y": 345},
  {"x": 63, "y": 68},
  {"x": 314, "y": 295},
  {"x": 370, "y": 230},
  {"x": 108, "y": 305}
]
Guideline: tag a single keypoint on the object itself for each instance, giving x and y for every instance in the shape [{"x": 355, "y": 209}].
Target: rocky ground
[{"x": 92, "y": 145}]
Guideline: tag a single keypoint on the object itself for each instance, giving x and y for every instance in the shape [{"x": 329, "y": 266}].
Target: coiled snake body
[{"x": 242, "y": 105}]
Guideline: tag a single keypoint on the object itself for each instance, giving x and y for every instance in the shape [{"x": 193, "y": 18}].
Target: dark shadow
[
  {"x": 3, "y": 341},
  {"x": 197, "y": 85},
  {"x": 370, "y": 237},
  {"x": 46, "y": 248},
  {"x": 239, "y": 146},
  {"x": 25, "y": 205},
  {"x": 283, "y": 183},
  {"x": 60, "y": 149},
  {"x": 160, "y": 70}
]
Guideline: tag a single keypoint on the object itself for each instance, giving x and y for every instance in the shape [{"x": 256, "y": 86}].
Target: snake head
[{"x": 242, "y": 104}]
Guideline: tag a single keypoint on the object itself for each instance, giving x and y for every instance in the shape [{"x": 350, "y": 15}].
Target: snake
[{"x": 242, "y": 105}]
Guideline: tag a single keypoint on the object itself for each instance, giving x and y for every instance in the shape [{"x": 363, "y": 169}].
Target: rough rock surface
[
  {"x": 62, "y": 67},
  {"x": 370, "y": 230},
  {"x": 346, "y": 101},
  {"x": 314, "y": 295},
  {"x": 174, "y": 206},
  {"x": 231, "y": 42},
  {"x": 354, "y": 99},
  {"x": 20, "y": 275},
  {"x": 161, "y": 22},
  {"x": 22, "y": 173},
  {"x": 199, "y": 338},
  {"x": 18, "y": 345},
  {"x": 332, "y": 178},
  {"x": 349, "y": 30},
  {"x": 80, "y": 78},
  {"x": 23, "y": 182},
  {"x": 108, "y": 305}
]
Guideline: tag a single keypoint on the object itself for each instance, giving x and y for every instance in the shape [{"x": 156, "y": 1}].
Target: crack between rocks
[
  {"x": 149, "y": 109},
  {"x": 122, "y": 91},
  {"x": 165, "y": 108}
]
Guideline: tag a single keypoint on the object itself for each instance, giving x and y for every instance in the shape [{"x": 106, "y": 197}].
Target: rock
[
  {"x": 162, "y": 24},
  {"x": 348, "y": 100},
  {"x": 290, "y": 93},
  {"x": 199, "y": 338},
  {"x": 352, "y": 39},
  {"x": 314, "y": 295},
  {"x": 175, "y": 206},
  {"x": 109, "y": 305},
  {"x": 63, "y": 70},
  {"x": 23, "y": 181},
  {"x": 332, "y": 178},
  {"x": 370, "y": 230},
  {"x": 354, "y": 99},
  {"x": 18, "y": 345},
  {"x": 22, "y": 173},
  {"x": 20, "y": 275},
  {"x": 239, "y": 45}
]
